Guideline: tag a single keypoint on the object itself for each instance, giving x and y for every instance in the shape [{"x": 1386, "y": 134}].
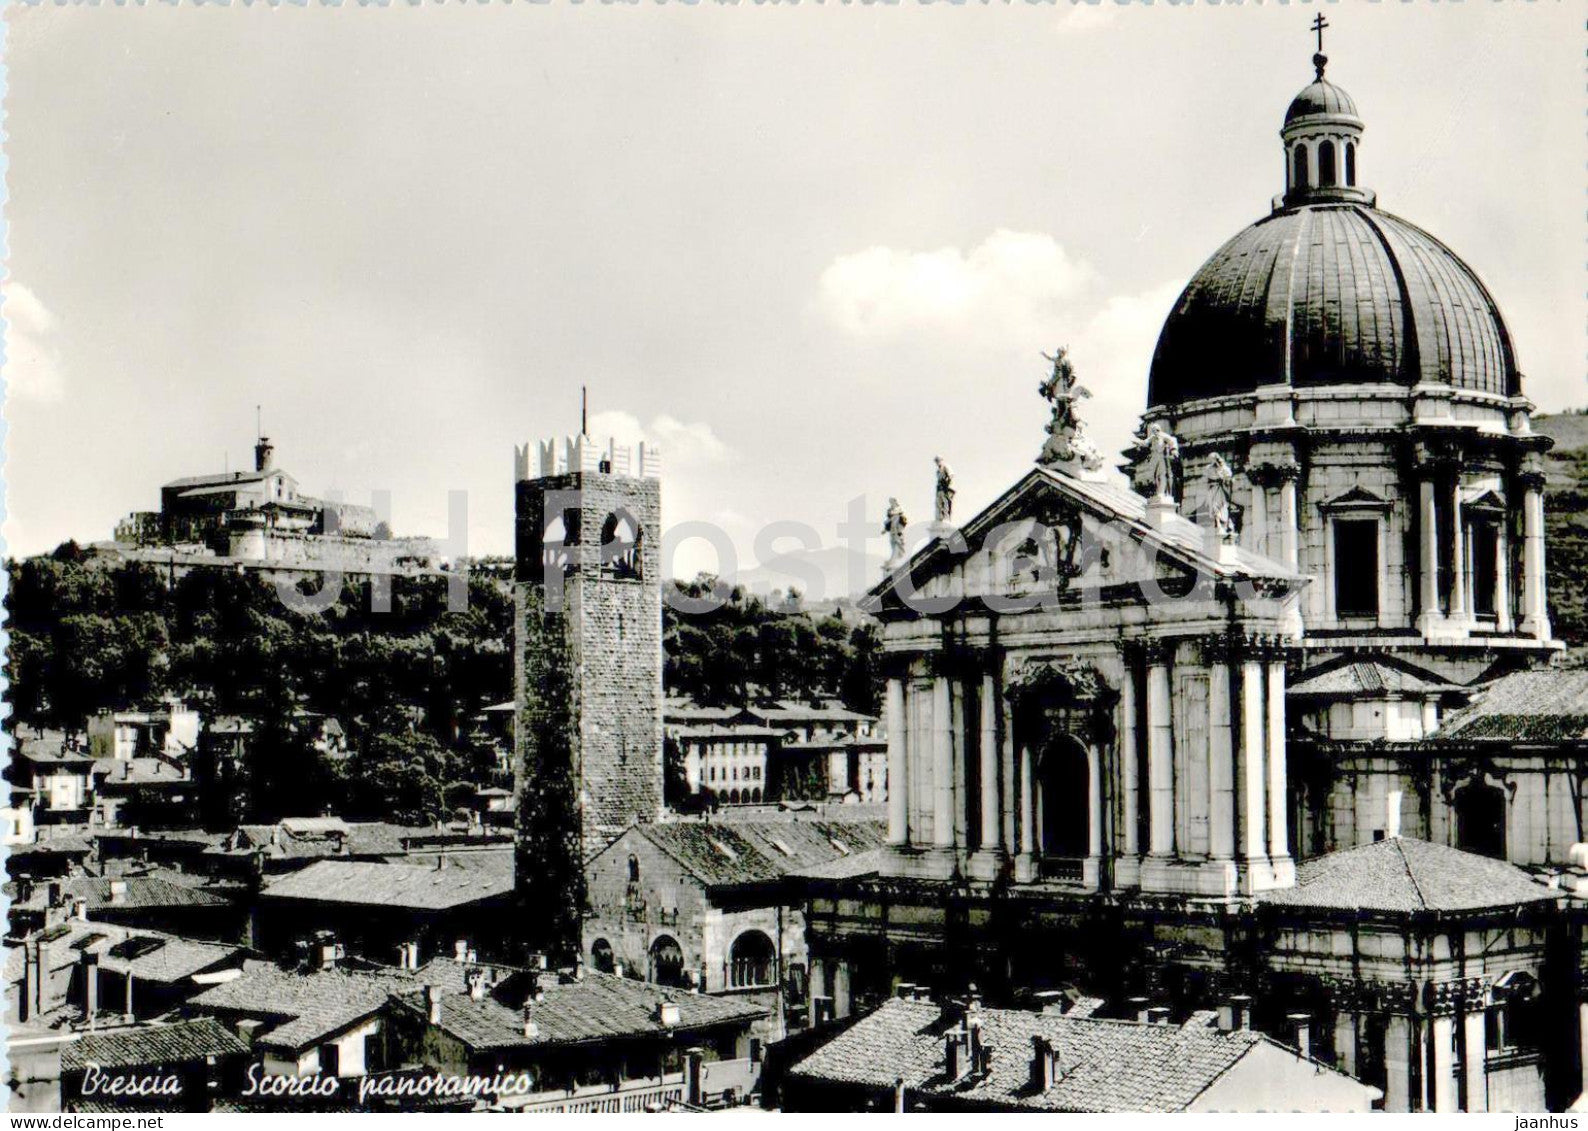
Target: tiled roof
[
  {"x": 758, "y": 851},
  {"x": 411, "y": 886},
  {"x": 293, "y": 841},
  {"x": 231, "y": 478},
  {"x": 137, "y": 771},
  {"x": 152, "y": 1046},
  {"x": 1106, "y": 1066},
  {"x": 141, "y": 891},
  {"x": 1400, "y": 874},
  {"x": 153, "y": 957},
  {"x": 1547, "y": 705},
  {"x": 597, "y": 1007},
  {"x": 1349, "y": 676},
  {"x": 308, "y": 1005}
]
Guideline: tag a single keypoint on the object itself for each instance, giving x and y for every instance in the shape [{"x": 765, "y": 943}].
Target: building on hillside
[
  {"x": 171, "y": 729},
  {"x": 391, "y": 912},
  {"x": 587, "y": 668},
  {"x": 586, "y": 1042},
  {"x": 914, "y": 1055},
  {"x": 151, "y": 899},
  {"x": 260, "y": 517},
  {"x": 703, "y": 905},
  {"x": 51, "y": 775},
  {"x": 1118, "y": 717},
  {"x": 727, "y": 764}
]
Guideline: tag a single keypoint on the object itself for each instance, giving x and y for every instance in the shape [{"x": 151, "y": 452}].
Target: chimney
[
  {"x": 954, "y": 1058},
  {"x": 617, "y": 967},
  {"x": 531, "y": 1029},
  {"x": 1240, "y": 1008},
  {"x": 905, "y": 991},
  {"x": 1301, "y": 1032},
  {"x": 1042, "y": 1066},
  {"x": 433, "y": 1004},
  {"x": 474, "y": 979},
  {"x": 667, "y": 1013},
  {"x": 80, "y": 909},
  {"x": 1140, "y": 1007},
  {"x": 248, "y": 1028},
  {"x": 90, "y": 986},
  {"x": 460, "y": 951},
  {"x": 1158, "y": 1015},
  {"x": 118, "y": 891},
  {"x": 898, "y": 1095},
  {"x": 1051, "y": 1002},
  {"x": 1392, "y": 813}
]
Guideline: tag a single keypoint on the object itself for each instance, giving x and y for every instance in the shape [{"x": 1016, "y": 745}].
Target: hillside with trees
[{"x": 90, "y": 633}]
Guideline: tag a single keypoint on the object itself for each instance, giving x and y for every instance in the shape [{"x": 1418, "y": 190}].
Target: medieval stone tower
[{"x": 587, "y": 669}]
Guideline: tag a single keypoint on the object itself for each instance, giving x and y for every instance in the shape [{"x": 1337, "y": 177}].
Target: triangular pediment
[
  {"x": 1055, "y": 533},
  {"x": 1357, "y": 497}
]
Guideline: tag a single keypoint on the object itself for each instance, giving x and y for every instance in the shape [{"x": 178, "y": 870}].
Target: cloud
[
  {"x": 683, "y": 445},
  {"x": 1014, "y": 285},
  {"x": 1083, "y": 16},
  {"x": 32, "y": 363}
]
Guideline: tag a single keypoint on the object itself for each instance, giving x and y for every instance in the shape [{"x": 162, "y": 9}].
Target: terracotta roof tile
[
  {"x": 152, "y": 1046},
  {"x": 1400, "y": 874}
]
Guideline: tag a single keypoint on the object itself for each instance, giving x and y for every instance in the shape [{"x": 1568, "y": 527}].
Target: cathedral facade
[{"x": 1194, "y": 740}]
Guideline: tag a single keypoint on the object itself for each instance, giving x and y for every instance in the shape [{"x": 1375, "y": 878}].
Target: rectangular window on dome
[
  {"x": 1484, "y": 543},
  {"x": 1356, "y": 569}
]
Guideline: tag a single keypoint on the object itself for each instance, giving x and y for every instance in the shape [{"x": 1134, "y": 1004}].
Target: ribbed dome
[
  {"x": 1320, "y": 97},
  {"x": 1331, "y": 294}
]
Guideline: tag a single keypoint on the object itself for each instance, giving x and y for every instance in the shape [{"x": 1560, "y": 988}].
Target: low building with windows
[
  {"x": 702, "y": 904},
  {"x": 584, "y": 1041}
]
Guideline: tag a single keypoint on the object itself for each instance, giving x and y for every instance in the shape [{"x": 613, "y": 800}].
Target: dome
[
  {"x": 1320, "y": 97},
  {"x": 1331, "y": 293}
]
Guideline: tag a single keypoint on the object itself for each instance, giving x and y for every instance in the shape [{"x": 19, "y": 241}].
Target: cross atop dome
[{"x": 1320, "y": 60}]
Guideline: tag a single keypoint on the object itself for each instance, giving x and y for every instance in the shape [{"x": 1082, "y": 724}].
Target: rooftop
[
  {"x": 760, "y": 850},
  {"x": 151, "y": 1046},
  {"x": 1105, "y": 1066},
  {"x": 596, "y": 1007},
  {"x": 1406, "y": 876},
  {"x": 417, "y": 887},
  {"x": 1548, "y": 705},
  {"x": 304, "y": 1006},
  {"x": 1369, "y": 677}
]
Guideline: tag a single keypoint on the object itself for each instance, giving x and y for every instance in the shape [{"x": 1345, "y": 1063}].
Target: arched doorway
[
  {"x": 667, "y": 961},
  {"x": 1480, "y": 820},
  {"x": 1063, "y": 795},
  {"x": 601, "y": 956}
]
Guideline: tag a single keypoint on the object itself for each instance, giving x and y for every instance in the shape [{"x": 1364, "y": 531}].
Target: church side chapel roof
[
  {"x": 1371, "y": 677},
  {"x": 1532, "y": 706},
  {"x": 1113, "y": 503},
  {"x": 1104, "y": 1066},
  {"x": 727, "y": 853},
  {"x": 1401, "y": 875}
]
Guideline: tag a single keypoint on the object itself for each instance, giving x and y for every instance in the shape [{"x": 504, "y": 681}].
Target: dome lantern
[{"x": 1322, "y": 134}]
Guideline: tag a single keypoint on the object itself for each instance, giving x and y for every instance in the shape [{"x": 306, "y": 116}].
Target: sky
[{"x": 804, "y": 248}]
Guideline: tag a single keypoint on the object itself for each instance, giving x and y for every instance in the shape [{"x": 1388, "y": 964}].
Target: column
[
  {"x": 1011, "y": 763},
  {"x": 1458, "y": 557},
  {"x": 1289, "y": 528},
  {"x": 898, "y": 767},
  {"x": 1504, "y": 620},
  {"x": 1535, "y": 610},
  {"x": 1028, "y": 806},
  {"x": 1129, "y": 766},
  {"x": 1398, "y": 1064},
  {"x": 991, "y": 812},
  {"x": 958, "y": 731},
  {"x": 1160, "y": 760},
  {"x": 1473, "y": 1054},
  {"x": 1345, "y": 1042},
  {"x": 1257, "y": 519},
  {"x": 1254, "y": 784},
  {"x": 1278, "y": 785},
  {"x": 818, "y": 989},
  {"x": 1221, "y": 768},
  {"x": 1441, "y": 1066},
  {"x": 841, "y": 1001},
  {"x": 1094, "y": 802},
  {"x": 942, "y": 763},
  {"x": 1428, "y": 544}
]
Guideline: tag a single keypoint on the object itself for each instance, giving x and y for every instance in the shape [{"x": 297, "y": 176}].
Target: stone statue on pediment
[
  {"x": 1163, "y": 462},
  {"x": 1067, "y": 442},
  {"x": 893, "y": 526},
  {"x": 944, "y": 509},
  {"x": 1219, "y": 497}
]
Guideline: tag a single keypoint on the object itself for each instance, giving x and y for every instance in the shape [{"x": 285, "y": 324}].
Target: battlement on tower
[{"x": 563, "y": 454}]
